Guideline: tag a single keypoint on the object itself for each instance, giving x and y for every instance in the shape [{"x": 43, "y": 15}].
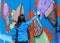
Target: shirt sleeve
[
  {"x": 13, "y": 33},
  {"x": 30, "y": 22}
]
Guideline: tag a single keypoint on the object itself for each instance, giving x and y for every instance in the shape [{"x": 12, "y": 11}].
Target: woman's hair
[{"x": 21, "y": 19}]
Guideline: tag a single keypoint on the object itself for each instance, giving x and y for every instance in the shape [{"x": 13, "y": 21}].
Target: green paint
[{"x": 41, "y": 39}]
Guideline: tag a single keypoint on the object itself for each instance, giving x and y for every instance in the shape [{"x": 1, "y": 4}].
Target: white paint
[{"x": 5, "y": 38}]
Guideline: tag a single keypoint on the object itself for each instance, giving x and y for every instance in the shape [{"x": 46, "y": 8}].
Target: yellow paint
[{"x": 12, "y": 25}]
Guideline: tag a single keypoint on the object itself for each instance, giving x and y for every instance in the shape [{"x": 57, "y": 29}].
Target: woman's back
[{"x": 22, "y": 32}]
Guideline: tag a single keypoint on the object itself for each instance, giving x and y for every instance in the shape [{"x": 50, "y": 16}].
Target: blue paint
[
  {"x": 28, "y": 6},
  {"x": 57, "y": 2}
]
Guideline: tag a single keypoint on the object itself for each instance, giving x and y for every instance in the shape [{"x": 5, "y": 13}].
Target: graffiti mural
[{"x": 44, "y": 29}]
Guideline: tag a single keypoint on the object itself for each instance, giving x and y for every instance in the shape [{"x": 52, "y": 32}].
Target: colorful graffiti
[{"x": 43, "y": 30}]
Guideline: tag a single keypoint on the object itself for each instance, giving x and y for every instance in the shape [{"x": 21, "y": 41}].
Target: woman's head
[{"x": 21, "y": 19}]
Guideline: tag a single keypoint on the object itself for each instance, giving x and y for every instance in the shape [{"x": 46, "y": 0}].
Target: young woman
[{"x": 19, "y": 32}]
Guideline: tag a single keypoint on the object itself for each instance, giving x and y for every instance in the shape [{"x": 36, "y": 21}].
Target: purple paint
[
  {"x": 43, "y": 6},
  {"x": 59, "y": 39},
  {"x": 5, "y": 10}
]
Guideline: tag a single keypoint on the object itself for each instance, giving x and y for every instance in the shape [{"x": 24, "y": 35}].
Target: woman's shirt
[{"x": 22, "y": 30}]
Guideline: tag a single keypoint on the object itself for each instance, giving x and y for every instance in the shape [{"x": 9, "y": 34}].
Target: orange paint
[
  {"x": 3, "y": 9},
  {"x": 31, "y": 29},
  {"x": 58, "y": 15},
  {"x": 46, "y": 30},
  {"x": 58, "y": 8},
  {"x": 7, "y": 28},
  {"x": 31, "y": 14},
  {"x": 36, "y": 3}
]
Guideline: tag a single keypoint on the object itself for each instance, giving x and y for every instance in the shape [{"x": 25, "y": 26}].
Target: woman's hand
[{"x": 38, "y": 13}]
